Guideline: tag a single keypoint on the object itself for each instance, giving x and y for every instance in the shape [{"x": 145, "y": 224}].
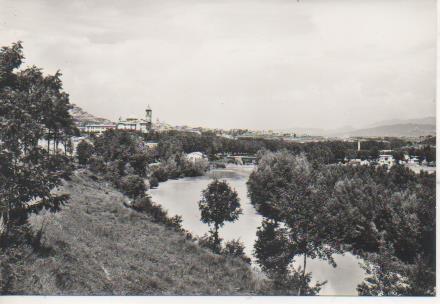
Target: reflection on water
[{"x": 181, "y": 197}]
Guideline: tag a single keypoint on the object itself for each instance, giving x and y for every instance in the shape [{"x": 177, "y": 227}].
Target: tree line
[{"x": 328, "y": 152}]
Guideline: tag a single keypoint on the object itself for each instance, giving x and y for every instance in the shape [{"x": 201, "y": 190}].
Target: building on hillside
[
  {"x": 131, "y": 123},
  {"x": 97, "y": 128},
  {"x": 136, "y": 124},
  {"x": 386, "y": 160}
]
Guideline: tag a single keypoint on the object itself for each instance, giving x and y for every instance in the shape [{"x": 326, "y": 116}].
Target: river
[{"x": 180, "y": 197}]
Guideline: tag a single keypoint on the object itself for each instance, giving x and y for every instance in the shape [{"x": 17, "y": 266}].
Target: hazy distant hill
[
  {"x": 83, "y": 118},
  {"x": 395, "y": 130},
  {"x": 418, "y": 121}
]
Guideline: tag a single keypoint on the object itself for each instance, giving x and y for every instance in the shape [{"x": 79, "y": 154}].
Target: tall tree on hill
[{"x": 28, "y": 173}]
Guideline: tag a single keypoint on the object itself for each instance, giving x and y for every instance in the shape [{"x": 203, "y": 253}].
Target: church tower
[{"x": 149, "y": 117}]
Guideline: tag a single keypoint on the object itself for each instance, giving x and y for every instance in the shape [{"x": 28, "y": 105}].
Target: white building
[
  {"x": 97, "y": 128},
  {"x": 195, "y": 156},
  {"x": 386, "y": 160}
]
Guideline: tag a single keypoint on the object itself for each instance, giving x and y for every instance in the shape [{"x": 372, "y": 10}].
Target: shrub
[
  {"x": 144, "y": 204},
  {"x": 84, "y": 152},
  {"x": 97, "y": 164},
  {"x": 132, "y": 185},
  {"x": 113, "y": 171},
  {"x": 154, "y": 182},
  {"x": 139, "y": 162},
  {"x": 211, "y": 243},
  {"x": 160, "y": 173},
  {"x": 235, "y": 248},
  {"x": 175, "y": 222},
  {"x": 196, "y": 168}
]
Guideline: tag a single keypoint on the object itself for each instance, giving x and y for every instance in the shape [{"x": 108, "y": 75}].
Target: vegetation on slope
[{"x": 96, "y": 246}]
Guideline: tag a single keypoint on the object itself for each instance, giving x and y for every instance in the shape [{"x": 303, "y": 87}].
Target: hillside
[
  {"x": 96, "y": 246},
  {"x": 430, "y": 120},
  {"x": 83, "y": 118}
]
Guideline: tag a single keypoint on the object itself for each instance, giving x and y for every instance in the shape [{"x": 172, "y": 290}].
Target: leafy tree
[
  {"x": 139, "y": 162},
  {"x": 272, "y": 250},
  {"x": 287, "y": 188},
  {"x": 84, "y": 151},
  {"x": 28, "y": 173},
  {"x": 133, "y": 186},
  {"x": 219, "y": 204}
]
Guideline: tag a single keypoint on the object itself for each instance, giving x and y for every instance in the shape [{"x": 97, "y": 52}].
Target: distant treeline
[{"x": 323, "y": 152}]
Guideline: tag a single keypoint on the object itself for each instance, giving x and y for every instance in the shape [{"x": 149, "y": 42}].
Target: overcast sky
[{"x": 236, "y": 64}]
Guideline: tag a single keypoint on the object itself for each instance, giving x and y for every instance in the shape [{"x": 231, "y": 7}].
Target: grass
[{"x": 97, "y": 246}]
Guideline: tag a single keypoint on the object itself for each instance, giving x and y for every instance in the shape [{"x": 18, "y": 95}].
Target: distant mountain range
[
  {"x": 83, "y": 118},
  {"x": 394, "y": 128}
]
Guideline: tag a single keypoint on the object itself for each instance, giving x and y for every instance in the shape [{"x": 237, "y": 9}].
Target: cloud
[{"x": 244, "y": 63}]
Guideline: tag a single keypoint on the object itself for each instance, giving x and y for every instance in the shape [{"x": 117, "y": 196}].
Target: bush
[
  {"x": 84, "y": 152},
  {"x": 97, "y": 165},
  {"x": 209, "y": 242},
  {"x": 235, "y": 248},
  {"x": 132, "y": 185},
  {"x": 139, "y": 162},
  {"x": 154, "y": 182},
  {"x": 144, "y": 204},
  {"x": 114, "y": 171},
  {"x": 160, "y": 174},
  {"x": 197, "y": 168}
]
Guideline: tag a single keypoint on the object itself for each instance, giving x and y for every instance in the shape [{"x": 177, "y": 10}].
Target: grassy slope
[{"x": 100, "y": 247}]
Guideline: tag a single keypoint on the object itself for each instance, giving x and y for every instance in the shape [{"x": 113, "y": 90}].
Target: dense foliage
[
  {"x": 328, "y": 152},
  {"x": 33, "y": 107},
  {"x": 385, "y": 216}
]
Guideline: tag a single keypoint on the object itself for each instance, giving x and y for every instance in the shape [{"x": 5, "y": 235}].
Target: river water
[{"x": 180, "y": 197}]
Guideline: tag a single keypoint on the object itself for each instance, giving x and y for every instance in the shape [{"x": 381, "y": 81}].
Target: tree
[
  {"x": 133, "y": 186},
  {"x": 28, "y": 173},
  {"x": 287, "y": 188},
  {"x": 384, "y": 273},
  {"x": 84, "y": 151},
  {"x": 219, "y": 204},
  {"x": 272, "y": 250}
]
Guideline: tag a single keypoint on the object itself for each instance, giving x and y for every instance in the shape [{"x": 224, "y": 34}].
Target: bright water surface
[{"x": 181, "y": 197}]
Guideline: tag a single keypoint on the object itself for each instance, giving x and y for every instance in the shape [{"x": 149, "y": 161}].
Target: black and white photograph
[{"x": 236, "y": 149}]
